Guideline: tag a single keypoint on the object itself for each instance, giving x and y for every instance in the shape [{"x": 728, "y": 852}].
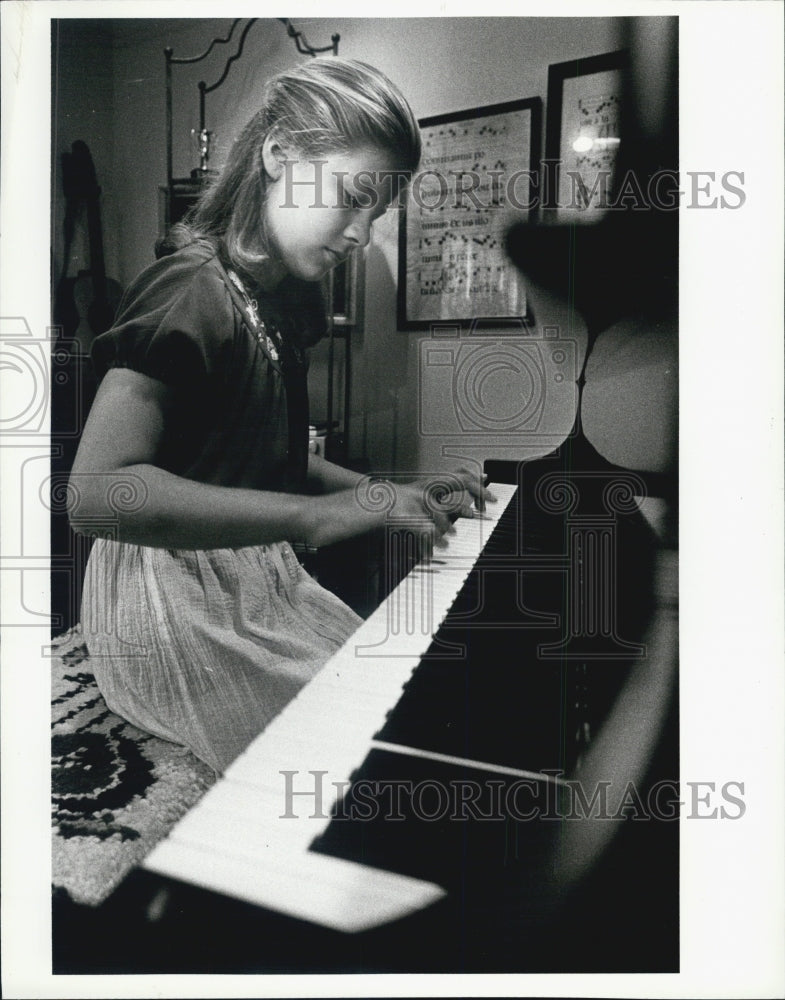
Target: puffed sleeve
[{"x": 175, "y": 324}]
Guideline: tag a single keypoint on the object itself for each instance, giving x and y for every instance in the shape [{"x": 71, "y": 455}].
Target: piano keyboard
[{"x": 245, "y": 839}]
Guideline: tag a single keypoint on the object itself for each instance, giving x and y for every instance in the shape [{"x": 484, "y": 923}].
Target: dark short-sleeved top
[{"x": 240, "y": 410}]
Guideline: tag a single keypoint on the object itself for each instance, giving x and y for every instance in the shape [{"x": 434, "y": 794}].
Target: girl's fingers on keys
[
  {"x": 467, "y": 509},
  {"x": 470, "y": 483},
  {"x": 488, "y": 497}
]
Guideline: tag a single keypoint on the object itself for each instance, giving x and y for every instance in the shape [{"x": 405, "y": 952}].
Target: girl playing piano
[{"x": 193, "y": 469}]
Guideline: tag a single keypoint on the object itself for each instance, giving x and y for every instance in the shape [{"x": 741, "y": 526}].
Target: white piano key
[
  {"x": 368, "y": 675},
  {"x": 268, "y": 809},
  {"x": 285, "y": 753},
  {"x": 227, "y": 797},
  {"x": 255, "y": 833},
  {"x": 329, "y": 699},
  {"x": 318, "y": 729},
  {"x": 354, "y": 703},
  {"x": 338, "y": 894},
  {"x": 256, "y": 820}
]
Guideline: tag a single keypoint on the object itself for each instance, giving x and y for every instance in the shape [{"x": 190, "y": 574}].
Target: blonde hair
[{"x": 326, "y": 105}]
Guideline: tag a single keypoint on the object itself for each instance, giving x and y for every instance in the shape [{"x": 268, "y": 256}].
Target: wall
[
  {"x": 442, "y": 64},
  {"x": 83, "y": 108}
]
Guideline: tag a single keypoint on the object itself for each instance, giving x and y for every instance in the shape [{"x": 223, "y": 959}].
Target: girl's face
[{"x": 319, "y": 209}]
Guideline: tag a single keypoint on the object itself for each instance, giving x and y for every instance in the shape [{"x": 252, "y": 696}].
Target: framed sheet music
[
  {"x": 475, "y": 180},
  {"x": 584, "y": 134}
]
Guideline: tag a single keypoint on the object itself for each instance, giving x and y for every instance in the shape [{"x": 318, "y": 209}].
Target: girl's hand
[
  {"x": 371, "y": 506},
  {"x": 426, "y": 508},
  {"x": 460, "y": 493}
]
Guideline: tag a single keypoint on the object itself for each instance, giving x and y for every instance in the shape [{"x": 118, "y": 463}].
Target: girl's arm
[
  {"x": 327, "y": 477},
  {"x": 117, "y": 490}
]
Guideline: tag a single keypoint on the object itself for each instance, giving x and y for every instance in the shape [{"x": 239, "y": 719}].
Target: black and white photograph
[{"x": 392, "y": 531}]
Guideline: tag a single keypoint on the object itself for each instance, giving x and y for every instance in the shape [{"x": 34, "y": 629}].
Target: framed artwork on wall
[
  {"x": 477, "y": 176},
  {"x": 583, "y": 135}
]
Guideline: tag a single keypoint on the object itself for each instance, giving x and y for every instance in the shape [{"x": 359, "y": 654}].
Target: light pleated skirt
[{"x": 204, "y": 648}]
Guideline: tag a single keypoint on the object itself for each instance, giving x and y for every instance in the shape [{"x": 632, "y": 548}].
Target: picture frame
[
  {"x": 477, "y": 177},
  {"x": 583, "y": 135}
]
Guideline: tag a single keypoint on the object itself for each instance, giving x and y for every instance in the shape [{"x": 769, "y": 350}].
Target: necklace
[{"x": 267, "y": 335}]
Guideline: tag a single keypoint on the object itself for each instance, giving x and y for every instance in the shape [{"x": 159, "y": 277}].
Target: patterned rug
[{"x": 116, "y": 791}]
